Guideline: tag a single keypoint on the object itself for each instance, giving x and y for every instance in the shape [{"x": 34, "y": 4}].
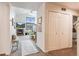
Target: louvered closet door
[{"x": 53, "y": 41}]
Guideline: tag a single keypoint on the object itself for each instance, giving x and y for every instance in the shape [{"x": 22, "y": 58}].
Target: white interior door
[
  {"x": 59, "y": 31},
  {"x": 64, "y": 30},
  {"x": 53, "y": 31}
]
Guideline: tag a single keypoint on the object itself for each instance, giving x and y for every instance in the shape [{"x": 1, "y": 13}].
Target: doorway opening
[
  {"x": 23, "y": 29},
  {"x": 74, "y": 34}
]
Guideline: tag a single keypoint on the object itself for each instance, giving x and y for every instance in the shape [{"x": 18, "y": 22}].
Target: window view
[
  {"x": 20, "y": 25},
  {"x": 30, "y": 25},
  {"x": 30, "y": 19}
]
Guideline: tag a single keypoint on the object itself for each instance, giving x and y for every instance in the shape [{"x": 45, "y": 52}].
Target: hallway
[
  {"x": 25, "y": 47},
  {"x": 28, "y": 48}
]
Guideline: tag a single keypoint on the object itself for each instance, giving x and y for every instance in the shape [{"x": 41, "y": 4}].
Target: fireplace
[{"x": 20, "y": 32}]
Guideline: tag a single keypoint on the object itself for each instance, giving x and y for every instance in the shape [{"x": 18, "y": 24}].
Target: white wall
[
  {"x": 12, "y": 15},
  {"x": 41, "y": 35},
  {"x": 21, "y": 14},
  {"x": 22, "y": 17},
  {"x": 4, "y": 29}
]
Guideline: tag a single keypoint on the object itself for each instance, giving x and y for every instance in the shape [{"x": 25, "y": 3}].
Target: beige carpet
[{"x": 27, "y": 46}]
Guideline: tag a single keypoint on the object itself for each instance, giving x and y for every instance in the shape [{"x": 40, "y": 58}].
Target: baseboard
[
  {"x": 40, "y": 49},
  {"x": 57, "y": 49},
  {"x": 5, "y": 53},
  {"x": 2, "y": 53}
]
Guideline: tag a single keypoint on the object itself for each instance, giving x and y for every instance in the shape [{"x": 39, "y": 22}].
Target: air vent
[{"x": 63, "y": 9}]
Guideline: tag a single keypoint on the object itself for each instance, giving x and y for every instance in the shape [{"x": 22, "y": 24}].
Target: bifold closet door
[
  {"x": 53, "y": 41},
  {"x": 59, "y": 31},
  {"x": 64, "y": 30}
]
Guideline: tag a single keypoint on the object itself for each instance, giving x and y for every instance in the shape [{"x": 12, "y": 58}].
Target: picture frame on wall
[
  {"x": 40, "y": 20},
  {"x": 39, "y": 24},
  {"x": 12, "y": 22}
]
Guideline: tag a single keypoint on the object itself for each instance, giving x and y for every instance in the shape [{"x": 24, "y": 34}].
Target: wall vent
[{"x": 63, "y": 9}]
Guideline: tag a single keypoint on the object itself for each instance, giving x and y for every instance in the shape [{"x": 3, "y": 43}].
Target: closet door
[
  {"x": 57, "y": 31},
  {"x": 53, "y": 41},
  {"x": 64, "y": 31},
  {"x": 60, "y": 32}
]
